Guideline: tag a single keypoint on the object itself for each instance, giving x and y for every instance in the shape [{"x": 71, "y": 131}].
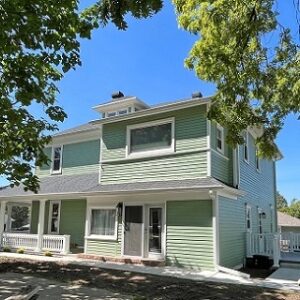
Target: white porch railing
[
  {"x": 55, "y": 243},
  {"x": 264, "y": 244},
  {"x": 289, "y": 241}
]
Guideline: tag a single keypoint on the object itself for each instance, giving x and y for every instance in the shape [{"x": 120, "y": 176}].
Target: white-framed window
[
  {"x": 111, "y": 114},
  {"x": 54, "y": 217},
  {"x": 248, "y": 218},
  {"x": 57, "y": 152},
  {"x": 257, "y": 160},
  {"x": 122, "y": 112},
  {"x": 151, "y": 138},
  {"x": 246, "y": 146},
  {"x": 272, "y": 218},
  {"x": 103, "y": 223},
  {"x": 220, "y": 138},
  {"x": 260, "y": 213}
]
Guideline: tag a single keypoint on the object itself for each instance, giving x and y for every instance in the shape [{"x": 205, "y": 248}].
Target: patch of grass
[
  {"x": 48, "y": 253},
  {"x": 20, "y": 250}
]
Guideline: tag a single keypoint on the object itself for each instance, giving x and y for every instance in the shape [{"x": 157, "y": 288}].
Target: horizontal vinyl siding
[
  {"x": 105, "y": 247},
  {"x": 190, "y": 136},
  {"x": 259, "y": 187},
  {"x": 78, "y": 158},
  {"x": 232, "y": 228},
  {"x": 162, "y": 168},
  {"x": 189, "y": 241},
  {"x": 221, "y": 168},
  {"x": 72, "y": 220}
]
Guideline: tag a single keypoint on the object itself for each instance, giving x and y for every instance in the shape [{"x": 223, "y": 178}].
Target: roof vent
[
  {"x": 116, "y": 95},
  {"x": 197, "y": 95}
]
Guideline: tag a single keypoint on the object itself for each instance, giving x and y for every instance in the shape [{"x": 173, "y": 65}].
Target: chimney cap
[
  {"x": 197, "y": 95},
  {"x": 116, "y": 95}
]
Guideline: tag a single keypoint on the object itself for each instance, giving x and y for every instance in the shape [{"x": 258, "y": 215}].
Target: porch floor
[{"x": 293, "y": 257}]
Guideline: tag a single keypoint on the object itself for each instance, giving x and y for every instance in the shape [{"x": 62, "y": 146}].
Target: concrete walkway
[
  {"x": 278, "y": 280},
  {"x": 11, "y": 283}
]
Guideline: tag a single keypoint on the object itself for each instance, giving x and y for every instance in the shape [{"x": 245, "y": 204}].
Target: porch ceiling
[{"x": 87, "y": 184}]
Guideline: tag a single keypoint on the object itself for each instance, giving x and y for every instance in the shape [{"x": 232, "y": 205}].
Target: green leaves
[
  {"x": 39, "y": 42},
  {"x": 257, "y": 85}
]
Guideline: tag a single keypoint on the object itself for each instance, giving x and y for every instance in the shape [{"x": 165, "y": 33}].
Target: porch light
[{"x": 263, "y": 215}]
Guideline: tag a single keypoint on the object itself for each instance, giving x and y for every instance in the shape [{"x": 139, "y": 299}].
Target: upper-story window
[
  {"x": 248, "y": 217},
  {"x": 257, "y": 160},
  {"x": 220, "y": 138},
  {"x": 246, "y": 146},
  {"x": 122, "y": 112},
  {"x": 111, "y": 114},
  {"x": 56, "y": 159},
  {"x": 151, "y": 138}
]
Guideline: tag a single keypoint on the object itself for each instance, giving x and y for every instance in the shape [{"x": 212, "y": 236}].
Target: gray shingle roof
[
  {"x": 287, "y": 220},
  {"x": 80, "y": 128},
  {"x": 88, "y": 183}
]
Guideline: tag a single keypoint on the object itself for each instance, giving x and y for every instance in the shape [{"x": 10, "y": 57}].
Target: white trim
[
  {"x": 53, "y": 172},
  {"x": 221, "y": 129},
  {"x": 208, "y": 129},
  {"x": 153, "y": 152},
  {"x": 227, "y": 195},
  {"x": 216, "y": 235},
  {"x": 257, "y": 161},
  {"x": 51, "y": 202},
  {"x": 88, "y": 234},
  {"x": 249, "y": 208},
  {"x": 100, "y": 154}
]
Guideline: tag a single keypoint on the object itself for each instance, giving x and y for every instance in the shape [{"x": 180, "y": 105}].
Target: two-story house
[{"x": 150, "y": 183}]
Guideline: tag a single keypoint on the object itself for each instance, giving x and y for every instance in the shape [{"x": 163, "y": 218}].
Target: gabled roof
[
  {"x": 287, "y": 220},
  {"x": 89, "y": 184},
  {"x": 77, "y": 129}
]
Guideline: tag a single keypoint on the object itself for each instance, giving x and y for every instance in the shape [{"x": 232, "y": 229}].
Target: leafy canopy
[
  {"x": 39, "y": 43},
  {"x": 251, "y": 58},
  {"x": 281, "y": 201}
]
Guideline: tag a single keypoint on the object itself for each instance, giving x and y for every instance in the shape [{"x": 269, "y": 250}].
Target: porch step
[{"x": 131, "y": 261}]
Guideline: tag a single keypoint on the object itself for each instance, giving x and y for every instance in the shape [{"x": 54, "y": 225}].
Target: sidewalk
[{"x": 283, "y": 278}]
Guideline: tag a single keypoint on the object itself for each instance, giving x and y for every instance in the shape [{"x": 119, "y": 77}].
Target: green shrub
[
  {"x": 20, "y": 250},
  {"x": 48, "y": 253},
  {"x": 6, "y": 249}
]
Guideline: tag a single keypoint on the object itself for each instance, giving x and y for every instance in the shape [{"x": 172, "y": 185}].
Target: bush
[
  {"x": 6, "y": 249},
  {"x": 21, "y": 250},
  {"x": 48, "y": 253}
]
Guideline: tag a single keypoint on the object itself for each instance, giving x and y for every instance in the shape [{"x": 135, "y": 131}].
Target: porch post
[
  {"x": 2, "y": 220},
  {"x": 40, "y": 230},
  {"x": 276, "y": 250}
]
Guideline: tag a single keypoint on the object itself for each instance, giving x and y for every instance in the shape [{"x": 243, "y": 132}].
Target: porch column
[
  {"x": 40, "y": 229},
  {"x": 2, "y": 220}
]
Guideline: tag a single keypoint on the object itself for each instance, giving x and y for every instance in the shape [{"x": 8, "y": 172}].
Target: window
[
  {"x": 103, "y": 222},
  {"x": 111, "y": 114},
  {"x": 56, "y": 159},
  {"x": 220, "y": 138},
  {"x": 248, "y": 218},
  {"x": 246, "y": 146},
  {"x": 260, "y": 215},
  {"x": 122, "y": 112},
  {"x": 272, "y": 218},
  {"x": 257, "y": 160},
  {"x": 54, "y": 217},
  {"x": 152, "y": 137},
  {"x": 19, "y": 216}
]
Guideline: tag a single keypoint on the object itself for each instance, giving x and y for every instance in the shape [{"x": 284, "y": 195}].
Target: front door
[{"x": 133, "y": 230}]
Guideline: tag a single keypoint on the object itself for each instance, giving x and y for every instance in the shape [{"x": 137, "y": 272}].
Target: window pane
[
  {"x": 103, "y": 221},
  {"x": 56, "y": 158},
  {"x": 20, "y": 218},
  {"x": 150, "y": 138}
]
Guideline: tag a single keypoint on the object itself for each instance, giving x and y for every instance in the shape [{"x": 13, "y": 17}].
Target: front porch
[{"x": 43, "y": 226}]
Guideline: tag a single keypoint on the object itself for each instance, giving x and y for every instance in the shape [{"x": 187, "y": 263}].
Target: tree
[
  {"x": 39, "y": 43},
  {"x": 294, "y": 208},
  {"x": 281, "y": 201},
  {"x": 258, "y": 83}
]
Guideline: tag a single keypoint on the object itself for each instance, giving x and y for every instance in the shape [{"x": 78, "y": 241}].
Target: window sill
[
  {"x": 152, "y": 153},
  {"x": 101, "y": 238},
  {"x": 56, "y": 172},
  {"x": 246, "y": 161}
]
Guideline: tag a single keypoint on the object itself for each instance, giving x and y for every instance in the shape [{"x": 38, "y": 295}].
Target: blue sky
[{"x": 147, "y": 61}]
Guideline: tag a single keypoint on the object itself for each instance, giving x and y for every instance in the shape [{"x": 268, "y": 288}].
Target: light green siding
[
  {"x": 105, "y": 247},
  {"x": 189, "y": 239},
  {"x": 72, "y": 220},
  {"x": 189, "y": 160},
  {"x": 221, "y": 164},
  {"x": 232, "y": 230},
  {"x": 78, "y": 158}
]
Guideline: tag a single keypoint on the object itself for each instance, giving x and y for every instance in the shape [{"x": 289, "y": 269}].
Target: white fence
[
  {"x": 55, "y": 243},
  {"x": 264, "y": 244},
  {"x": 289, "y": 241}
]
